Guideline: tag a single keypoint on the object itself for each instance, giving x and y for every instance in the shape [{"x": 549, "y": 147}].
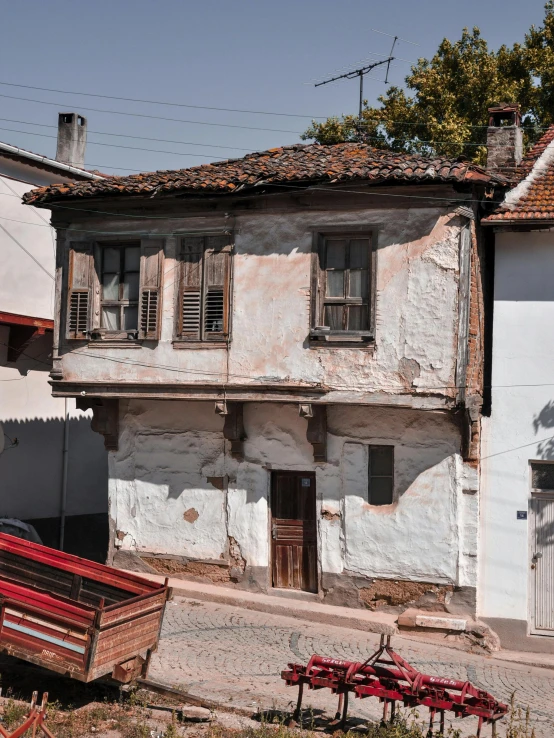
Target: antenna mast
[{"x": 358, "y": 73}]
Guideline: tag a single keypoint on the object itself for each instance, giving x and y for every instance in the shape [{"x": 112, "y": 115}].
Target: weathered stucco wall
[
  {"x": 167, "y": 495},
  {"x": 416, "y": 314}
]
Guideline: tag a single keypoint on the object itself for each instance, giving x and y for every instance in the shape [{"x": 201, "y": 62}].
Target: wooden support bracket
[
  {"x": 233, "y": 427},
  {"x": 105, "y": 418},
  {"x": 316, "y": 415}
]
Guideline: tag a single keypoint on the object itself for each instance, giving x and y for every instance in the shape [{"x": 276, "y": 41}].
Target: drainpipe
[{"x": 65, "y": 460}]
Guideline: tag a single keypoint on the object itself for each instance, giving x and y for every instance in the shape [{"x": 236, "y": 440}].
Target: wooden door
[
  {"x": 293, "y": 530},
  {"x": 542, "y": 564}
]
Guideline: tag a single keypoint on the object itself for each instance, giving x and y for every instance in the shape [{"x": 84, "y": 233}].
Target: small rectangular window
[
  {"x": 381, "y": 475},
  {"x": 119, "y": 284},
  {"x": 542, "y": 476}
]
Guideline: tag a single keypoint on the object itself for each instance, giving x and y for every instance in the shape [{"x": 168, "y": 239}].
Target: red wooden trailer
[{"x": 74, "y": 616}]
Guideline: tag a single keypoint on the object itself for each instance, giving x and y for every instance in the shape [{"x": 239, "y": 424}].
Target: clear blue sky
[{"x": 249, "y": 54}]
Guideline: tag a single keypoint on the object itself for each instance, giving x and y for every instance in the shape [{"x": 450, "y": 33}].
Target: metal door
[
  {"x": 542, "y": 564},
  {"x": 293, "y": 530}
]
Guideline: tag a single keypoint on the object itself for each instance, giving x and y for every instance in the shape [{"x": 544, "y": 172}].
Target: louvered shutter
[
  {"x": 217, "y": 260},
  {"x": 79, "y": 297},
  {"x": 151, "y": 258},
  {"x": 190, "y": 319}
]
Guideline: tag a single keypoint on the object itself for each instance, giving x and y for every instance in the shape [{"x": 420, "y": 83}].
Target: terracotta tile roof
[
  {"x": 311, "y": 163},
  {"x": 533, "y": 197}
]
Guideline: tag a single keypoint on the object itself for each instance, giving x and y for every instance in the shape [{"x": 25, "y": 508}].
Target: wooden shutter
[
  {"x": 79, "y": 296},
  {"x": 215, "y": 314},
  {"x": 190, "y": 313},
  {"x": 151, "y": 258}
]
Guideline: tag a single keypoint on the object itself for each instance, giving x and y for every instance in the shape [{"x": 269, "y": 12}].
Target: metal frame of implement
[
  {"x": 389, "y": 677},
  {"x": 35, "y": 720}
]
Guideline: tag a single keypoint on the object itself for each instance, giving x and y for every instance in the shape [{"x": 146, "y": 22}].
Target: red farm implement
[
  {"x": 390, "y": 678},
  {"x": 34, "y": 720},
  {"x": 76, "y": 617}
]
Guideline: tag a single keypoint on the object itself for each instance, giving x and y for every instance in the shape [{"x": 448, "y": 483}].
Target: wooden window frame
[
  {"x": 204, "y": 339},
  {"x": 151, "y": 268},
  {"x": 320, "y": 334},
  {"x": 380, "y": 476},
  {"x": 121, "y": 303}
]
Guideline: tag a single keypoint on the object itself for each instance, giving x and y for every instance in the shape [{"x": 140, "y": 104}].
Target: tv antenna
[{"x": 361, "y": 71}]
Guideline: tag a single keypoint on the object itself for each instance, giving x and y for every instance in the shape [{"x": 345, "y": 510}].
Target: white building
[
  {"x": 516, "y": 592},
  {"x": 284, "y": 354},
  {"x": 39, "y": 481}
]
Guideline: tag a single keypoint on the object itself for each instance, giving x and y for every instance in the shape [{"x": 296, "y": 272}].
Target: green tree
[{"x": 444, "y": 110}]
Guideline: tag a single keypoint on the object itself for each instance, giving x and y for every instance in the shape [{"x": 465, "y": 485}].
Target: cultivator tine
[
  {"x": 391, "y": 679},
  {"x": 338, "y": 714},
  {"x": 344, "y": 711}
]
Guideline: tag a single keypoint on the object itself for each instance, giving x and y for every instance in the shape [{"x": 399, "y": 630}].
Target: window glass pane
[
  {"x": 111, "y": 260},
  {"x": 333, "y": 317},
  {"x": 110, "y": 286},
  {"x": 130, "y": 318},
  {"x": 358, "y": 318},
  {"x": 132, "y": 259},
  {"x": 380, "y": 491},
  {"x": 358, "y": 283},
  {"x": 381, "y": 460},
  {"x": 335, "y": 284},
  {"x": 131, "y": 286},
  {"x": 542, "y": 476},
  {"x": 336, "y": 251},
  {"x": 359, "y": 253},
  {"x": 110, "y": 318}
]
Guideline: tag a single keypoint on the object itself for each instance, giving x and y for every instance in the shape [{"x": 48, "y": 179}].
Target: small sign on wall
[{"x": 522, "y": 514}]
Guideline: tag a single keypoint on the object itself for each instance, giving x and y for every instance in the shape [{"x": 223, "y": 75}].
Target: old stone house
[{"x": 284, "y": 354}]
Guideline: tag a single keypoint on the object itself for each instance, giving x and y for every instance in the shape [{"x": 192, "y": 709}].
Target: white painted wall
[
  {"x": 521, "y": 426},
  {"x": 168, "y": 449},
  {"x": 31, "y": 473}
]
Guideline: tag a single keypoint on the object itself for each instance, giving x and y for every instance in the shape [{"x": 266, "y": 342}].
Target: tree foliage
[{"x": 444, "y": 110}]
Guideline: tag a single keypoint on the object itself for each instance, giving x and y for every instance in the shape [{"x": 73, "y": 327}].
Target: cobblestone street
[{"x": 235, "y": 656}]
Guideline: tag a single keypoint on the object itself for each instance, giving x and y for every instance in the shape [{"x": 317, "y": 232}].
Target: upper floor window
[
  {"x": 342, "y": 299},
  {"x": 119, "y": 275},
  {"x": 114, "y": 290},
  {"x": 204, "y": 294}
]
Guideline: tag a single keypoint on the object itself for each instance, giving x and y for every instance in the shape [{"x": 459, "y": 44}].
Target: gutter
[{"x": 48, "y": 162}]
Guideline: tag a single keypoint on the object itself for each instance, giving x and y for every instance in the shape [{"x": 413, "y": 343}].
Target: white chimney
[{"x": 72, "y": 139}]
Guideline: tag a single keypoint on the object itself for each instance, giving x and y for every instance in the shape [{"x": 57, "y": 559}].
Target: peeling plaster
[{"x": 428, "y": 534}]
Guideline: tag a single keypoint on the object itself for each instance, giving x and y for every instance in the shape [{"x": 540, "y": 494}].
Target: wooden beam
[
  {"x": 233, "y": 428},
  {"x": 15, "y": 319},
  {"x": 20, "y": 338},
  {"x": 316, "y": 415}
]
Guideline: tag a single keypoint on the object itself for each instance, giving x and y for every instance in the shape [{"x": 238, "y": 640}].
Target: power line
[
  {"x": 235, "y": 148},
  {"x": 152, "y": 117},
  {"x": 128, "y": 135},
  {"x": 159, "y": 102},
  {"x": 118, "y": 146}
]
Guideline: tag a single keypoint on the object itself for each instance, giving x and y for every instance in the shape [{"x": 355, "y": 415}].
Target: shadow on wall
[
  {"x": 545, "y": 420},
  {"x": 31, "y": 471}
]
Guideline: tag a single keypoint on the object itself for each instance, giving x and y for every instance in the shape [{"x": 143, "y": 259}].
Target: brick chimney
[
  {"x": 72, "y": 139},
  {"x": 504, "y": 138}
]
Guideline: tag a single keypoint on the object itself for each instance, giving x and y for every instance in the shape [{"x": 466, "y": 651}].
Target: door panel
[
  {"x": 542, "y": 565},
  {"x": 293, "y": 529}
]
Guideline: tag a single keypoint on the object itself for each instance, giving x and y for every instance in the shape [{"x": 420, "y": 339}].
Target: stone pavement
[{"x": 235, "y": 656}]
